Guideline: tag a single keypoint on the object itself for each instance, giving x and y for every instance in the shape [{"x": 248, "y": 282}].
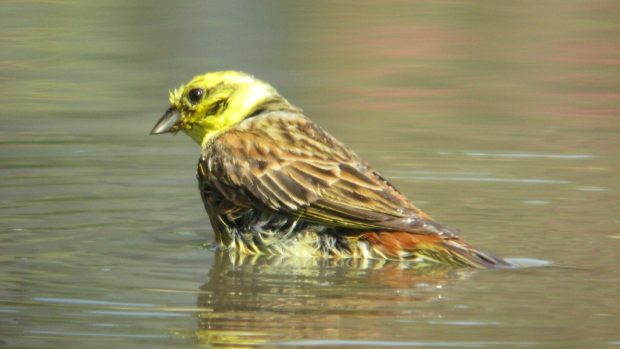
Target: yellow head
[{"x": 213, "y": 103}]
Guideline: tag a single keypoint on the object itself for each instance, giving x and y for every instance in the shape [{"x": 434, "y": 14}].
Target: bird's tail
[{"x": 427, "y": 249}]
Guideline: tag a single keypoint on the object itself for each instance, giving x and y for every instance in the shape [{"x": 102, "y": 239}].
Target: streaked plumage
[{"x": 274, "y": 182}]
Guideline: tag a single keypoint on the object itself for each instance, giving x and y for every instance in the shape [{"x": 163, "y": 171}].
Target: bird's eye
[{"x": 195, "y": 94}]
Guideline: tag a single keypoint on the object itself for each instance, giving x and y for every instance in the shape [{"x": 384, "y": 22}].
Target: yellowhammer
[{"x": 273, "y": 182}]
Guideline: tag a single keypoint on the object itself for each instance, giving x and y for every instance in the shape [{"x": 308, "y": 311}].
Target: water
[{"x": 497, "y": 118}]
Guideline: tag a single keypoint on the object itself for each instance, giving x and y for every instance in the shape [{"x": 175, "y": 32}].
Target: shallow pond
[{"x": 499, "y": 118}]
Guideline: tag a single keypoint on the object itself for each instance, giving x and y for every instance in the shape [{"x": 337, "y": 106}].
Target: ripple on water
[
  {"x": 74, "y": 301},
  {"x": 529, "y": 262},
  {"x": 481, "y": 179},
  {"x": 530, "y": 155},
  {"x": 433, "y": 344}
]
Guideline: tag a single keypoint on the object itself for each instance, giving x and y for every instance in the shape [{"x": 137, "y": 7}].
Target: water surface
[{"x": 498, "y": 118}]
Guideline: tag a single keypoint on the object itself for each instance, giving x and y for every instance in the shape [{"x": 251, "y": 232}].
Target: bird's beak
[{"x": 167, "y": 122}]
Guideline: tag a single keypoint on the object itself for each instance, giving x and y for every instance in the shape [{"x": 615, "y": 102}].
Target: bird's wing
[{"x": 289, "y": 164}]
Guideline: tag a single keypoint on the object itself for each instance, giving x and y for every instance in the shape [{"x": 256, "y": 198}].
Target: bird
[{"x": 273, "y": 182}]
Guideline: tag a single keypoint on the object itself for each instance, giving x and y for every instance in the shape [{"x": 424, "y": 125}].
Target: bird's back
[{"x": 277, "y": 182}]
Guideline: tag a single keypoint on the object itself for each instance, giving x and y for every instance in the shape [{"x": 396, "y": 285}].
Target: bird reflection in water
[{"x": 257, "y": 300}]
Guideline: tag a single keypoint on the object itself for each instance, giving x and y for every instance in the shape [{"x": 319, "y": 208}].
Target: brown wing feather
[{"x": 289, "y": 164}]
